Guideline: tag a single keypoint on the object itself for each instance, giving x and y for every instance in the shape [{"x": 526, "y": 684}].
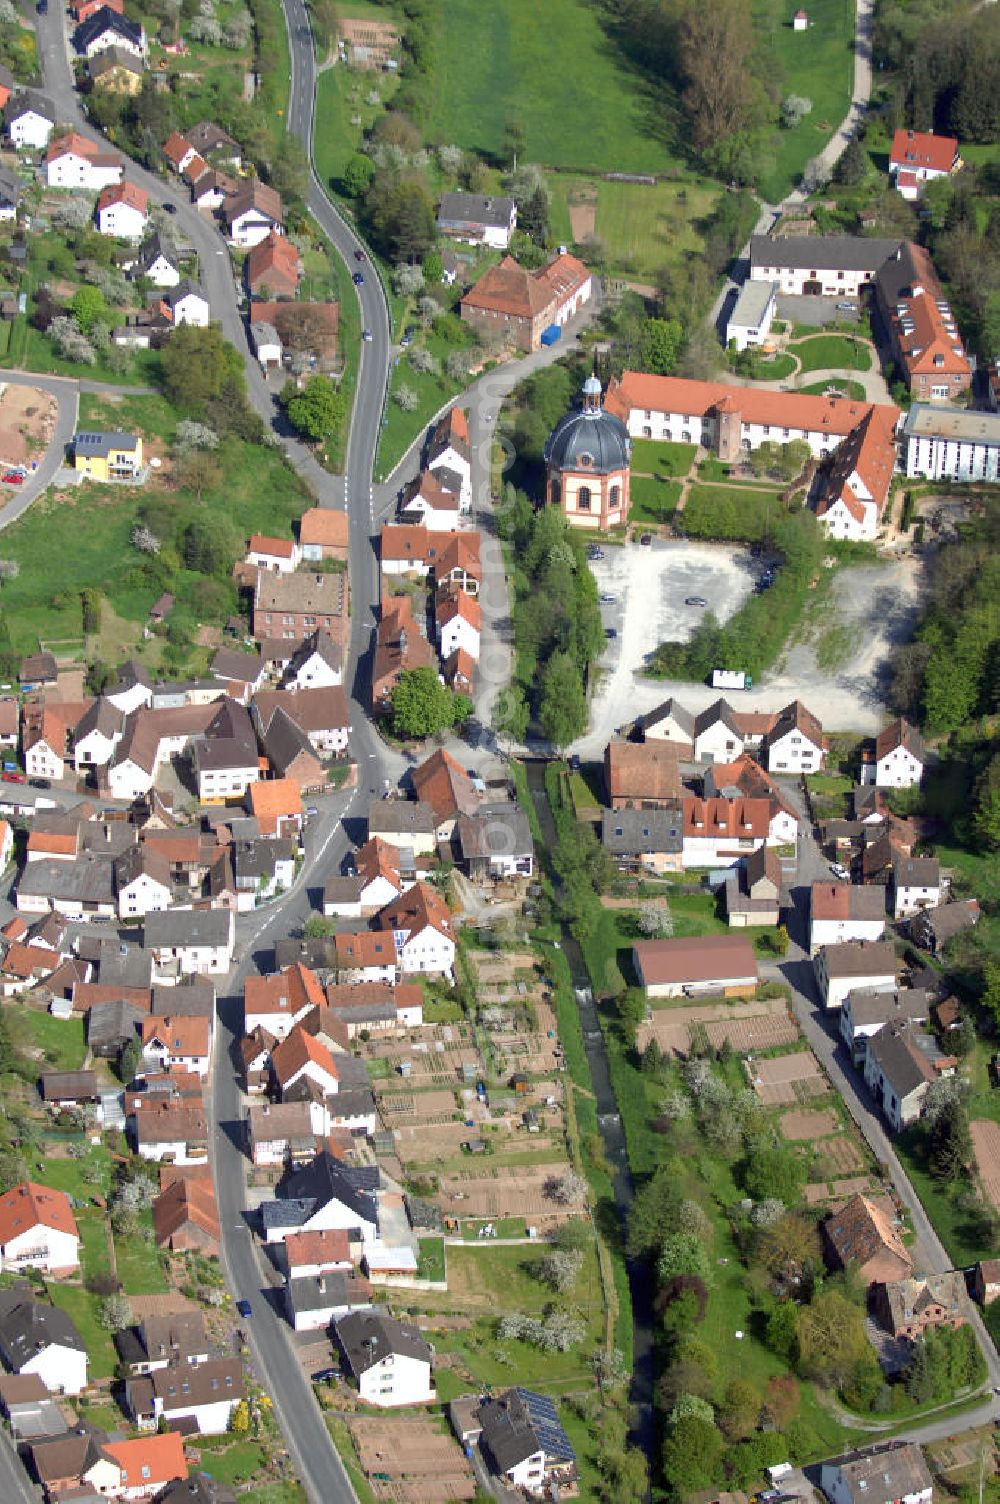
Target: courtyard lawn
[
  {"x": 84, "y": 1310},
  {"x": 653, "y": 500},
  {"x": 69, "y": 1175},
  {"x": 59, "y": 1040},
  {"x": 95, "y": 1253},
  {"x": 852, "y": 389},
  {"x": 695, "y": 913},
  {"x": 666, "y": 461},
  {"x": 772, "y": 368},
  {"x": 237, "y": 1463},
  {"x": 817, "y": 64},
  {"x": 554, "y": 68},
  {"x": 643, "y": 227},
  {"x": 724, "y": 512},
  {"x": 832, "y": 352}
]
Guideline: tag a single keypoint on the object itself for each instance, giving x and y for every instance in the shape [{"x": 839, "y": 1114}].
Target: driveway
[{"x": 817, "y": 312}]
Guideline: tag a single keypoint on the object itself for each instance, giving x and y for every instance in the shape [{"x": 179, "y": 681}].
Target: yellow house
[
  {"x": 116, "y": 71},
  {"x": 108, "y": 456}
]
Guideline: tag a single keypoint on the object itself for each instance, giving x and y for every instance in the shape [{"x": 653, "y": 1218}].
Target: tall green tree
[{"x": 562, "y": 710}]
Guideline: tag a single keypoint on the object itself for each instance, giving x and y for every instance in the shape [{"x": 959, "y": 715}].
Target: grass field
[
  {"x": 432, "y": 393},
  {"x": 257, "y": 491},
  {"x": 816, "y": 64},
  {"x": 35, "y": 351},
  {"x": 60, "y": 1040},
  {"x": 642, "y": 226},
  {"x": 233, "y": 1464},
  {"x": 730, "y": 512},
  {"x": 84, "y": 1310},
  {"x": 772, "y": 368},
  {"x": 670, "y": 461},
  {"x": 827, "y": 352},
  {"x": 138, "y": 1261},
  {"x": 553, "y": 68},
  {"x": 654, "y": 500},
  {"x": 342, "y": 100}
]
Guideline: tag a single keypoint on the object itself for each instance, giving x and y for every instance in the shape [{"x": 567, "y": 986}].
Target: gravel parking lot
[{"x": 817, "y": 312}]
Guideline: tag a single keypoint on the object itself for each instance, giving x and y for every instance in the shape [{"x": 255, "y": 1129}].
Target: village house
[
  {"x": 933, "y": 928},
  {"x": 745, "y": 778},
  {"x": 517, "y": 306},
  {"x": 38, "y": 1230},
  {"x": 186, "y": 1218},
  {"x": 75, "y": 1463},
  {"x": 366, "y": 956},
  {"x": 405, "y": 823},
  {"x": 104, "y": 457},
  {"x": 177, "y": 1337},
  {"x": 116, "y": 70},
  {"x": 279, "y": 555},
  {"x": 183, "y": 1043},
  {"x": 918, "y": 157},
  {"x": 916, "y": 884},
  {"x": 668, "y": 722},
  {"x": 276, "y": 805},
  {"x": 29, "y": 120},
  {"x": 276, "y": 1003},
  {"x": 317, "y": 663},
  {"x": 159, "y": 262},
  {"x": 379, "y": 870},
  {"x": 193, "y": 1398},
  {"x": 716, "y": 965},
  {"x": 864, "y": 1235},
  {"x": 76, "y": 889},
  {"x": 477, "y": 219},
  {"x": 388, "y": 1361},
  {"x": 753, "y": 896},
  {"x": 323, "y": 534},
  {"x": 908, "y": 1307},
  {"x": 142, "y": 883},
  {"x": 986, "y": 1281},
  {"x": 901, "y": 1063},
  {"x": 923, "y": 335},
  {"x": 295, "y": 606},
  {"x": 273, "y": 268},
  {"x": 841, "y": 912},
  {"x": 718, "y": 736},
  {"x": 864, "y": 1012},
  {"x": 795, "y": 742},
  {"x": 494, "y": 844},
  {"x": 320, "y": 714},
  {"x": 720, "y": 832},
  {"x": 643, "y": 840},
  {"x": 187, "y": 304},
  {"x": 106, "y": 28},
  {"x": 376, "y": 1006},
  {"x": 28, "y": 1407},
  {"x": 889, "y": 1472},
  {"x": 147, "y": 1463},
  {"x": 252, "y": 214},
  {"x": 307, "y": 330},
  {"x": 280, "y": 1132},
  {"x": 313, "y": 1301},
  {"x": 753, "y": 313},
  {"x": 325, "y": 1194},
  {"x": 307, "y": 1255},
  {"x": 899, "y": 760},
  {"x": 75, "y": 162},
  {"x": 445, "y": 785},
  {"x": 123, "y": 211},
  {"x": 41, "y": 1340},
  {"x": 429, "y": 501},
  {"x": 302, "y": 1060},
  {"x": 399, "y": 647},
  {"x": 522, "y": 1441},
  {"x": 458, "y": 620},
  {"x": 170, "y": 1129},
  {"x": 240, "y": 673},
  {"x": 449, "y": 455},
  {"x": 422, "y": 930},
  {"x": 643, "y": 775},
  {"x": 831, "y": 266},
  {"x": 840, "y": 968},
  {"x": 186, "y": 941},
  {"x": 959, "y": 444}
]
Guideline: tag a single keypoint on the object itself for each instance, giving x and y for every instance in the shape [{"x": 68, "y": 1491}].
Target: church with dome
[{"x": 587, "y": 459}]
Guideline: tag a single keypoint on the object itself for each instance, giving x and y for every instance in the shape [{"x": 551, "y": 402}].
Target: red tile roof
[
  {"x": 837, "y": 416},
  {"x": 511, "y": 289},
  {"x": 149, "y": 1461},
  {"x": 736, "y": 819},
  {"x": 278, "y": 548},
  {"x": 331, "y": 1246},
  {"x": 364, "y": 948},
  {"x": 32, "y": 1205},
  {"x": 124, "y": 193},
  {"x": 275, "y": 257},
  {"x": 298, "y": 1050},
  {"x": 324, "y": 526},
  {"x": 920, "y": 149},
  {"x": 176, "y": 148}
]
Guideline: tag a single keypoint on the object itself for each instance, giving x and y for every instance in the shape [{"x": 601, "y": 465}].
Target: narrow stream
[{"x": 613, "y": 1139}]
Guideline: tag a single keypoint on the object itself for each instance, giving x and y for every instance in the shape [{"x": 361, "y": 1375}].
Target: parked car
[
  {"x": 12, "y": 477},
  {"x": 367, "y": 336},
  {"x": 407, "y": 339},
  {"x": 244, "y": 1307},
  {"x": 359, "y": 255},
  {"x": 312, "y": 811},
  {"x": 11, "y": 777},
  {"x": 840, "y": 871},
  {"x": 574, "y": 762},
  {"x": 41, "y": 783},
  {"x": 358, "y": 279},
  {"x": 610, "y": 633},
  {"x": 607, "y": 599},
  {"x": 327, "y": 1375},
  {"x": 695, "y": 600},
  {"x": 170, "y": 208},
  {"x": 846, "y": 307},
  {"x": 646, "y": 539},
  {"x": 593, "y": 552}
]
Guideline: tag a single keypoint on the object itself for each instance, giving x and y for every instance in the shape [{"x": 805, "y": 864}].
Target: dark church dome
[{"x": 589, "y": 438}]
